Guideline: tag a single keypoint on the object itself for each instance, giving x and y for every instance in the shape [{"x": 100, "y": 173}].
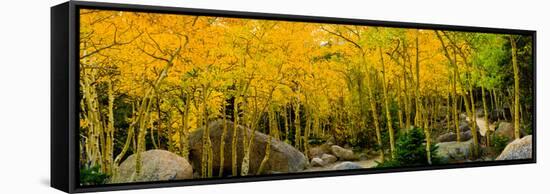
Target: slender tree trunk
[
  {"x": 297, "y": 127},
  {"x": 268, "y": 145},
  {"x": 467, "y": 103},
  {"x": 95, "y": 130},
  {"x": 184, "y": 137},
  {"x": 129, "y": 138},
  {"x": 486, "y": 117},
  {"x": 222, "y": 140},
  {"x": 285, "y": 118},
  {"x": 307, "y": 129},
  {"x": 159, "y": 122},
  {"x": 492, "y": 100},
  {"x": 110, "y": 129},
  {"x": 235, "y": 135},
  {"x": 510, "y": 100},
  {"x": 204, "y": 153},
  {"x": 207, "y": 152},
  {"x": 448, "y": 111},
  {"x": 407, "y": 102},
  {"x": 516, "y": 88},
  {"x": 145, "y": 104},
  {"x": 153, "y": 140},
  {"x": 247, "y": 140},
  {"x": 474, "y": 122},
  {"x": 399, "y": 104},
  {"x": 372, "y": 102},
  {"x": 427, "y": 132},
  {"x": 455, "y": 105},
  {"x": 387, "y": 105},
  {"x": 418, "y": 103}
]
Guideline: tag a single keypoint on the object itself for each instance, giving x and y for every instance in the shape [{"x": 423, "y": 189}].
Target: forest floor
[
  {"x": 369, "y": 163},
  {"x": 373, "y": 160}
]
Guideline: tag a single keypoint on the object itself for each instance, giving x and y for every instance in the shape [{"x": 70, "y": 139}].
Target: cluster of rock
[
  {"x": 450, "y": 149},
  {"x": 465, "y": 134},
  {"x": 328, "y": 153},
  {"x": 451, "y": 136},
  {"x": 161, "y": 165}
]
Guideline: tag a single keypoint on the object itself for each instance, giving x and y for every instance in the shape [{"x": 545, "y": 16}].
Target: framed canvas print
[{"x": 148, "y": 96}]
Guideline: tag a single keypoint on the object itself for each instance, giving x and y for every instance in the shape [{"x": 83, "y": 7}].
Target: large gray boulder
[
  {"x": 343, "y": 153},
  {"x": 518, "y": 149},
  {"x": 455, "y": 150},
  {"x": 346, "y": 166},
  {"x": 283, "y": 157},
  {"x": 156, "y": 165}
]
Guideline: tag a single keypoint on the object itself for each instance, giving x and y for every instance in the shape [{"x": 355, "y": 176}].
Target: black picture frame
[{"x": 65, "y": 95}]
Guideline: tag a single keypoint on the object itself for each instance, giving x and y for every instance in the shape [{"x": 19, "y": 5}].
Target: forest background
[
  {"x": 507, "y": 14},
  {"x": 144, "y": 75}
]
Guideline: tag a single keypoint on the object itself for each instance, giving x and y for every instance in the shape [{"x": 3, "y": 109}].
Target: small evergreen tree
[
  {"x": 92, "y": 176},
  {"x": 411, "y": 150}
]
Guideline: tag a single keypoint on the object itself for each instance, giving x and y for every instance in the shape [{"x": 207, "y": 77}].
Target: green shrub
[
  {"x": 410, "y": 150},
  {"x": 92, "y": 176},
  {"x": 499, "y": 142}
]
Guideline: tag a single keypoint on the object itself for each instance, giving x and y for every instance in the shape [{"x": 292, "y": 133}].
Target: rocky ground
[
  {"x": 161, "y": 165},
  {"x": 456, "y": 152},
  {"x": 370, "y": 163}
]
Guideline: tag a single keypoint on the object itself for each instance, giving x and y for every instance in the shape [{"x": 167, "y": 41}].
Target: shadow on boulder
[{"x": 284, "y": 158}]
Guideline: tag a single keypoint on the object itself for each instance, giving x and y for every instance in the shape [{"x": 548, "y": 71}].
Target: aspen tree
[
  {"x": 516, "y": 87},
  {"x": 387, "y": 105},
  {"x": 374, "y": 114},
  {"x": 418, "y": 103},
  {"x": 427, "y": 133},
  {"x": 399, "y": 104},
  {"x": 222, "y": 140},
  {"x": 454, "y": 70},
  {"x": 235, "y": 136}
]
